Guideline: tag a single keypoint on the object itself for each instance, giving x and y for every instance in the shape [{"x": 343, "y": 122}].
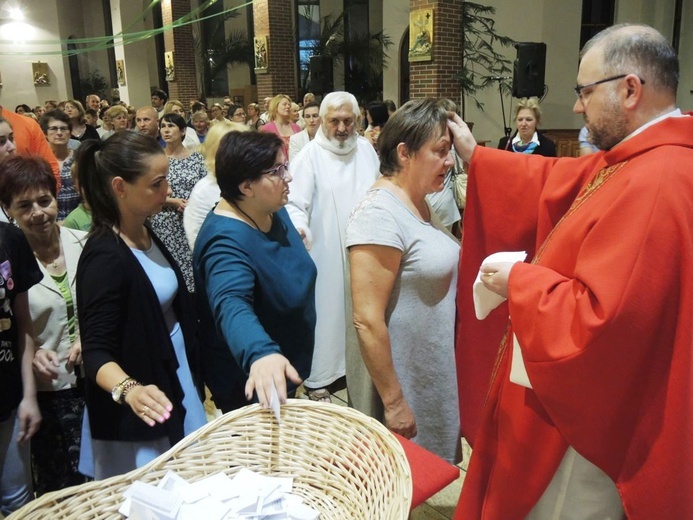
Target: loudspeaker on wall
[
  {"x": 529, "y": 69},
  {"x": 321, "y": 74}
]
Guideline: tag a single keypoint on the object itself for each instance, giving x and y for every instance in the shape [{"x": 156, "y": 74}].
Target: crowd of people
[{"x": 151, "y": 253}]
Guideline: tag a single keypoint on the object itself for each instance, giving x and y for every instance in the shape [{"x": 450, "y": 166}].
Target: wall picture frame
[
  {"x": 421, "y": 35},
  {"x": 41, "y": 74},
  {"x": 120, "y": 72},
  {"x": 261, "y": 55},
  {"x": 170, "y": 65}
]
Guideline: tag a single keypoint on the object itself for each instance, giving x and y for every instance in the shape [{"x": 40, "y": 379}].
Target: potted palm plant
[
  {"x": 364, "y": 56},
  {"x": 482, "y": 65}
]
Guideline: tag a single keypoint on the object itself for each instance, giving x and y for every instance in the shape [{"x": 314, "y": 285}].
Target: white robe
[
  {"x": 296, "y": 143},
  {"x": 325, "y": 189}
]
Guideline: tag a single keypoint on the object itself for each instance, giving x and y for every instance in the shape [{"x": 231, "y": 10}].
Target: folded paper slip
[{"x": 484, "y": 300}]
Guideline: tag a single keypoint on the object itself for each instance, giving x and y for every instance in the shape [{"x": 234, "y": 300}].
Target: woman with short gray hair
[{"x": 403, "y": 284}]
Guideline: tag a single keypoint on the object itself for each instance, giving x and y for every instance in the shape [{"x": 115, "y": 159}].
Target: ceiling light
[{"x": 16, "y": 14}]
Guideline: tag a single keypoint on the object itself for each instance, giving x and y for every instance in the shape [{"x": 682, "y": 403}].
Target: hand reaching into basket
[
  {"x": 149, "y": 404},
  {"x": 273, "y": 368}
]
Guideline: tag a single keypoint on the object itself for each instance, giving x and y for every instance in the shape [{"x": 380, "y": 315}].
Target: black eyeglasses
[
  {"x": 579, "y": 88},
  {"x": 278, "y": 171},
  {"x": 58, "y": 129}
]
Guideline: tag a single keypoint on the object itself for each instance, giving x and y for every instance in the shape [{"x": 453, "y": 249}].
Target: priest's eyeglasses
[
  {"x": 278, "y": 171},
  {"x": 579, "y": 88}
]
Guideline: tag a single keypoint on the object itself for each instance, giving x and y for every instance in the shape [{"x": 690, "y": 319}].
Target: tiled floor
[{"x": 440, "y": 506}]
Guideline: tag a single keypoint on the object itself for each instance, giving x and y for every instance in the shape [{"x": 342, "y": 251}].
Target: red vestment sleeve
[{"x": 505, "y": 207}]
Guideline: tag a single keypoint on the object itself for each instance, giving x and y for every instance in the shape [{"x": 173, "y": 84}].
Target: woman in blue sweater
[{"x": 254, "y": 277}]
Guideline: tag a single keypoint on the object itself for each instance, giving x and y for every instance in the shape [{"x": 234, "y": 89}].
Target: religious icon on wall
[
  {"x": 261, "y": 59},
  {"x": 421, "y": 35},
  {"x": 170, "y": 66},
  {"x": 120, "y": 71},
  {"x": 40, "y": 73}
]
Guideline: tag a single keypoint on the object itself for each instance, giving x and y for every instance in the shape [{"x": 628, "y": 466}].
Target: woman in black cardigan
[
  {"x": 136, "y": 318},
  {"x": 526, "y": 138}
]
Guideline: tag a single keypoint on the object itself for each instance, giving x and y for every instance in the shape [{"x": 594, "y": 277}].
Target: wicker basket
[{"x": 344, "y": 464}]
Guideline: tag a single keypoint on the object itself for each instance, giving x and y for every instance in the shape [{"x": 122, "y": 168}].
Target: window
[
  {"x": 308, "y": 17},
  {"x": 213, "y": 39},
  {"x": 358, "y": 55},
  {"x": 597, "y": 15}
]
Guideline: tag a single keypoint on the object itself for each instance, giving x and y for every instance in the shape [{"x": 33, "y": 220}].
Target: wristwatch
[{"x": 121, "y": 389}]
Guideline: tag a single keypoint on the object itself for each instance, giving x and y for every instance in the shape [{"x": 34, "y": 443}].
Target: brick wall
[
  {"x": 436, "y": 78},
  {"x": 274, "y": 19},
  {"x": 184, "y": 87}
]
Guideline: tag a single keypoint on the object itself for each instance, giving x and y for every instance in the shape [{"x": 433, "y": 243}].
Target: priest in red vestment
[{"x": 601, "y": 314}]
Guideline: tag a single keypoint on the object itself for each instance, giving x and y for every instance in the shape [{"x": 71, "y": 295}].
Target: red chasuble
[{"x": 604, "y": 318}]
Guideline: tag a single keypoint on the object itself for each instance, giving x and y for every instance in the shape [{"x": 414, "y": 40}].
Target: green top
[
  {"x": 63, "y": 284},
  {"x": 79, "y": 218}
]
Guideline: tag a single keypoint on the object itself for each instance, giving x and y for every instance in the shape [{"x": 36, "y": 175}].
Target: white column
[{"x": 135, "y": 55}]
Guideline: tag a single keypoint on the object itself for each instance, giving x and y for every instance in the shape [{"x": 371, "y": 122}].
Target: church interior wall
[
  {"x": 94, "y": 27},
  {"x": 554, "y": 23},
  {"x": 395, "y": 23},
  {"x": 16, "y": 69}
]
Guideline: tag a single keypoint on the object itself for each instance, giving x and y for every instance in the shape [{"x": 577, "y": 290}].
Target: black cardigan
[
  {"x": 546, "y": 147},
  {"x": 121, "y": 320}
]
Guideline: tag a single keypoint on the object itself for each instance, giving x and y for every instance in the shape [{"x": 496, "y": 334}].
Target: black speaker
[
  {"x": 321, "y": 71},
  {"x": 529, "y": 69}
]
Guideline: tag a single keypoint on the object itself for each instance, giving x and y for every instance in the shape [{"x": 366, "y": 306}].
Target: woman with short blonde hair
[
  {"x": 118, "y": 116},
  {"x": 527, "y": 139}
]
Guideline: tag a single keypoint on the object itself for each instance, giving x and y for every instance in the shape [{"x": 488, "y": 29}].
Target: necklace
[
  {"x": 247, "y": 216},
  {"x": 54, "y": 264}
]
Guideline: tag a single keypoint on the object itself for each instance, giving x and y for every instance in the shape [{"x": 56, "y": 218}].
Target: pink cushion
[{"x": 429, "y": 472}]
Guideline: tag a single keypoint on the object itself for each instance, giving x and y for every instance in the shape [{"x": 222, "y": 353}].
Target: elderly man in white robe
[{"x": 330, "y": 176}]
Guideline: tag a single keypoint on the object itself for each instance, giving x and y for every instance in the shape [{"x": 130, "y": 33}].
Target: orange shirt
[{"x": 29, "y": 139}]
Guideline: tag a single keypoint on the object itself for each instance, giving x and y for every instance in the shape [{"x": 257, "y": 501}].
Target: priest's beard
[
  {"x": 347, "y": 144},
  {"x": 610, "y": 127}
]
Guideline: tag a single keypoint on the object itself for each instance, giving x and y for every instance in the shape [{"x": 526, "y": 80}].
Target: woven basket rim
[{"x": 391, "y": 483}]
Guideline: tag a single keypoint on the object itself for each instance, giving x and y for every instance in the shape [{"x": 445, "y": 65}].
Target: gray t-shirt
[{"x": 420, "y": 315}]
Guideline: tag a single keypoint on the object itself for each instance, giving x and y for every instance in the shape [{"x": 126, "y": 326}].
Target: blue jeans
[{"x": 15, "y": 468}]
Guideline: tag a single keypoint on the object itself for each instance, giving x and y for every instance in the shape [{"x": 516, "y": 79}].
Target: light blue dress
[{"x": 118, "y": 457}]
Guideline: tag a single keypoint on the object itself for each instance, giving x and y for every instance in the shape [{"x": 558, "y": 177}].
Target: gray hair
[
  {"x": 334, "y": 100},
  {"x": 638, "y": 49}
]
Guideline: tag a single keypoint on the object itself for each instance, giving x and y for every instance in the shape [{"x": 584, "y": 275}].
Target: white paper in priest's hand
[{"x": 484, "y": 300}]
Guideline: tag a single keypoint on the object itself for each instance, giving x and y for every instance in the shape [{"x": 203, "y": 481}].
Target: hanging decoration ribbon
[{"x": 122, "y": 38}]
